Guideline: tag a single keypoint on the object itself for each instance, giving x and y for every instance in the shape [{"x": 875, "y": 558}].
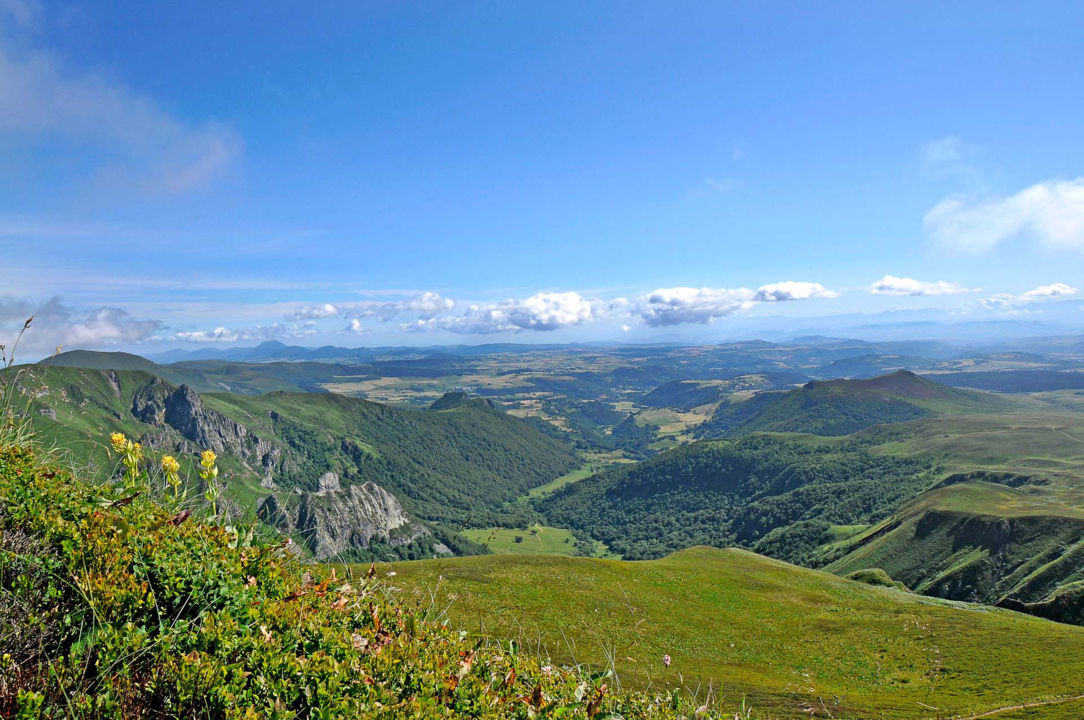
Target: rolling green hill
[
  {"x": 466, "y": 464},
  {"x": 795, "y": 642},
  {"x": 737, "y": 492},
  {"x": 842, "y": 407}
]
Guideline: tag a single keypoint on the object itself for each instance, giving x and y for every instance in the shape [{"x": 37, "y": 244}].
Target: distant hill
[
  {"x": 795, "y": 643},
  {"x": 842, "y": 407},
  {"x": 979, "y": 542},
  {"x": 868, "y": 366},
  {"x": 1014, "y": 381},
  {"x": 96, "y": 360},
  {"x": 684, "y": 394},
  {"x": 736, "y": 492},
  {"x": 213, "y": 375}
]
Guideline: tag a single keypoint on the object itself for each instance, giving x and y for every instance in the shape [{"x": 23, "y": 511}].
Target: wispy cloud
[
  {"x": 255, "y": 333},
  {"x": 1051, "y": 213},
  {"x": 44, "y": 98},
  {"x": 892, "y": 285}
]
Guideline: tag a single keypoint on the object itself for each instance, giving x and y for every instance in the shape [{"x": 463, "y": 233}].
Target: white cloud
[
  {"x": 541, "y": 311},
  {"x": 681, "y": 305},
  {"x": 426, "y": 305},
  {"x": 892, "y": 285},
  {"x": 1050, "y": 291},
  {"x": 1050, "y": 212},
  {"x": 45, "y": 99},
  {"x": 1043, "y": 292},
  {"x": 792, "y": 290},
  {"x": 354, "y": 326},
  {"x": 316, "y": 312},
  {"x": 108, "y": 326},
  {"x": 250, "y": 334},
  {"x": 58, "y": 324}
]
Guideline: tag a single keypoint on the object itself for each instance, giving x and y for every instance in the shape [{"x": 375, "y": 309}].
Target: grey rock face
[
  {"x": 183, "y": 410},
  {"x": 333, "y": 522},
  {"x": 329, "y": 482}
]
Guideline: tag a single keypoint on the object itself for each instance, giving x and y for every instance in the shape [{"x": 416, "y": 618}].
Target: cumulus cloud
[
  {"x": 541, "y": 311},
  {"x": 1051, "y": 213},
  {"x": 1043, "y": 292},
  {"x": 354, "y": 326},
  {"x": 43, "y": 98},
  {"x": 892, "y": 285},
  {"x": 426, "y": 305},
  {"x": 681, "y": 305},
  {"x": 792, "y": 290}
]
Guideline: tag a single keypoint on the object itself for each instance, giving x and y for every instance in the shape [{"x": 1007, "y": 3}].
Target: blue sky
[{"x": 418, "y": 173}]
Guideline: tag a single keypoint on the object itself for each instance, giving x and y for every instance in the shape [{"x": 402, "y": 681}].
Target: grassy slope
[
  {"x": 535, "y": 540},
  {"x": 975, "y": 541},
  {"x": 1045, "y": 445},
  {"x": 784, "y": 635}
]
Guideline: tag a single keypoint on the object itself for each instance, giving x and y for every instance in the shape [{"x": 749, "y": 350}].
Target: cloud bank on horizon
[{"x": 430, "y": 312}]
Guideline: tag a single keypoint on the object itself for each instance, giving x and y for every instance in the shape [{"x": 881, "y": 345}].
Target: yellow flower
[
  {"x": 137, "y": 451},
  {"x": 208, "y": 457},
  {"x": 119, "y": 442},
  {"x": 170, "y": 464}
]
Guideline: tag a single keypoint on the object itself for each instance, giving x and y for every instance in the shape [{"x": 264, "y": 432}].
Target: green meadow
[{"x": 792, "y": 641}]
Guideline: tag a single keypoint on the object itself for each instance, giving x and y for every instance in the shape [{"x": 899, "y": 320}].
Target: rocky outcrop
[
  {"x": 329, "y": 482},
  {"x": 183, "y": 410},
  {"x": 334, "y": 522}
]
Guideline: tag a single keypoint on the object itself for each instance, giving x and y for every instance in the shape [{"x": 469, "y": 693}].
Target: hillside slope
[
  {"x": 795, "y": 642},
  {"x": 979, "y": 542},
  {"x": 459, "y": 465},
  {"x": 842, "y": 407},
  {"x": 736, "y": 492}
]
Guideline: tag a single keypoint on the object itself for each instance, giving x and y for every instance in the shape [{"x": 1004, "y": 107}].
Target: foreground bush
[{"x": 113, "y": 604}]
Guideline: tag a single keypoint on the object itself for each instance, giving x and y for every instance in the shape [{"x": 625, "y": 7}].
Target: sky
[{"x": 380, "y": 173}]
